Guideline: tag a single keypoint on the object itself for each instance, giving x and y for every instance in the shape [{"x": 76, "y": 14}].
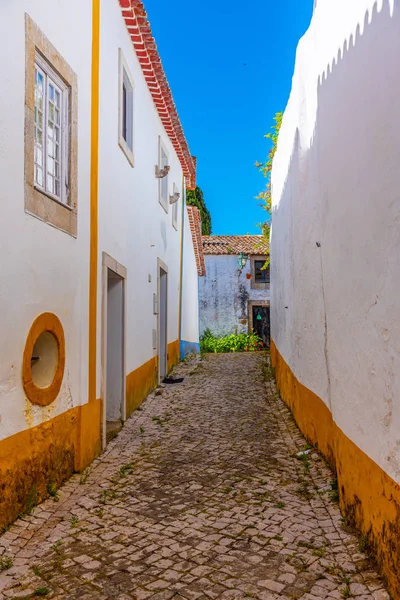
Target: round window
[{"x": 44, "y": 359}]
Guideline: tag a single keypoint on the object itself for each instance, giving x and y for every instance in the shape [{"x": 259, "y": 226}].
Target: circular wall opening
[{"x": 44, "y": 360}]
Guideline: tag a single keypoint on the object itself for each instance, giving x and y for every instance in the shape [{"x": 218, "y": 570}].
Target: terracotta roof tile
[
  {"x": 234, "y": 244},
  {"x": 195, "y": 228},
  {"x": 139, "y": 29}
]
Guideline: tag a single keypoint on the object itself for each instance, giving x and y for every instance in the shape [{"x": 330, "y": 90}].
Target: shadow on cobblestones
[{"x": 200, "y": 496}]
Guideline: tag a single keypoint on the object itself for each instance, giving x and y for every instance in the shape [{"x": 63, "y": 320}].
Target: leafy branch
[{"x": 266, "y": 167}]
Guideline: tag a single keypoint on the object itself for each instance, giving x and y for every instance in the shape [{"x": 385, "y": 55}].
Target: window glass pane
[
  {"x": 38, "y": 126},
  {"x": 49, "y": 185},
  {"x": 39, "y": 176},
  {"x": 53, "y": 153},
  {"x": 164, "y": 159},
  {"x": 50, "y": 129},
  {"x": 127, "y": 110},
  {"x": 124, "y": 124}
]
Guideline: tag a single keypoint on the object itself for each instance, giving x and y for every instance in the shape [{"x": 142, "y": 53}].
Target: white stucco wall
[
  {"x": 133, "y": 226},
  {"x": 335, "y": 183},
  {"x": 190, "y": 289},
  {"x": 42, "y": 268},
  {"x": 224, "y": 294}
]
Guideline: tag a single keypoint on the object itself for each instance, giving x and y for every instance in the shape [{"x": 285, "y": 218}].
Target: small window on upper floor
[
  {"x": 126, "y": 110},
  {"x": 163, "y": 181},
  {"x": 51, "y": 129},
  {"x": 259, "y": 274},
  {"x": 175, "y": 209},
  {"x": 51, "y": 133}
]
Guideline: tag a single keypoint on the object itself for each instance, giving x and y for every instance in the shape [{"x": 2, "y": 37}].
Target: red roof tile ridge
[
  {"x": 195, "y": 228},
  {"x": 139, "y": 29},
  {"x": 230, "y": 244}
]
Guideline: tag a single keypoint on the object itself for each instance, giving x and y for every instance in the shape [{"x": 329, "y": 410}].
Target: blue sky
[{"x": 230, "y": 66}]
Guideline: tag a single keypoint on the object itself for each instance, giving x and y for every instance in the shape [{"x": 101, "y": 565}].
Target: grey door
[
  {"x": 163, "y": 324},
  {"x": 115, "y": 350}
]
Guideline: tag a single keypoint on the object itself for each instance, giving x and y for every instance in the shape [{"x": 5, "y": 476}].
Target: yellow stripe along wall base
[
  {"x": 368, "y": 496},
  {"x": 41, "y": 458},
  {"x": 35, "y": 459},
  {"x": 144, "y": 379}
]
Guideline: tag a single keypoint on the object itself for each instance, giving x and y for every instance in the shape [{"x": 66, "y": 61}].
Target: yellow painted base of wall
[
  {"x": 46, "y": 455},
  {"x": 143, "y": 380},
  {"x": 140, "y": 383},
  {"x": 173, "y": 354},
  {"x": 368, "y": 496}
]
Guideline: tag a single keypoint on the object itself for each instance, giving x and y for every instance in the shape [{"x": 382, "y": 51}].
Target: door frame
[
  {"x": 110, "y": 264},
  {"x": 252, "y": 303},
  {"x": 163, "y": 266}
]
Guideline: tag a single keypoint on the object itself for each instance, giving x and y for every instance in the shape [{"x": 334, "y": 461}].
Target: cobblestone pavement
[{"x": 201, "y": 496}]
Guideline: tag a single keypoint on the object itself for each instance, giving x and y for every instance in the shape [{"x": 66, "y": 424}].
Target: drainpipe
[{"x": 183, "y": 196}]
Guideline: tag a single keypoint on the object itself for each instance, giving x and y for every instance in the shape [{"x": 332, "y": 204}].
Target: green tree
[
  {"x": 266, "y": 168},
  {"x": 195, "y": 198}
]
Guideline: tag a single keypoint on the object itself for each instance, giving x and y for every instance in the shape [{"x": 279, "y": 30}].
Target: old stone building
[{"x": 234, "y": 294}]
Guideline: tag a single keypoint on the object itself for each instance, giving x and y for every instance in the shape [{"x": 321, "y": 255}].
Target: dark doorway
[
  {"x": 162, "y": 324},
  {"x": 115, "y": 354},
  {"x": 261, "y": 323}
]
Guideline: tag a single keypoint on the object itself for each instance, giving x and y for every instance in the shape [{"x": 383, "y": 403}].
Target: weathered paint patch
[
  {"x": 189, "y": 348},
  {"x": 224, "y": 295},
  {"x": 49, "y": 453},
  {"x": 46, "y": 455},
  {"x": 368, "y": 496}
]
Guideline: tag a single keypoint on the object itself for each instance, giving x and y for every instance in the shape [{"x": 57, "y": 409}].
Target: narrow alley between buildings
[{"x": 202, "y": 495}]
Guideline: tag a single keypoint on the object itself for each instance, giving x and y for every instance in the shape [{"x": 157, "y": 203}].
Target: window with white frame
[
  {"x": 163, "y": 182},
  {"x": 51, "y": 130},
  {"x": 175, "y": 209},
  {"x": 126, "y": 109}
]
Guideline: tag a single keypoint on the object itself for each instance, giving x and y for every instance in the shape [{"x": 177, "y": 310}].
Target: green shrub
[{"x": 241, "y": 342}]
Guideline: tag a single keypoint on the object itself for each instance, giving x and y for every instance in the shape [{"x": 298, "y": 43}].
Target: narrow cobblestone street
[{"x": 200, "y": 496}]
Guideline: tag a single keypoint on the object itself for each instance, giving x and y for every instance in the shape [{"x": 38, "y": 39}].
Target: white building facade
[
  {"x": 335, "y": 258},
  {"x": 95, "y": 167}
]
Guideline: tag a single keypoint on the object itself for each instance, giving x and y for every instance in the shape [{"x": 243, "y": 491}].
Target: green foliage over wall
[
  {"x": 265, "y": 168},
  {"x": 196, "y": 198}
]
